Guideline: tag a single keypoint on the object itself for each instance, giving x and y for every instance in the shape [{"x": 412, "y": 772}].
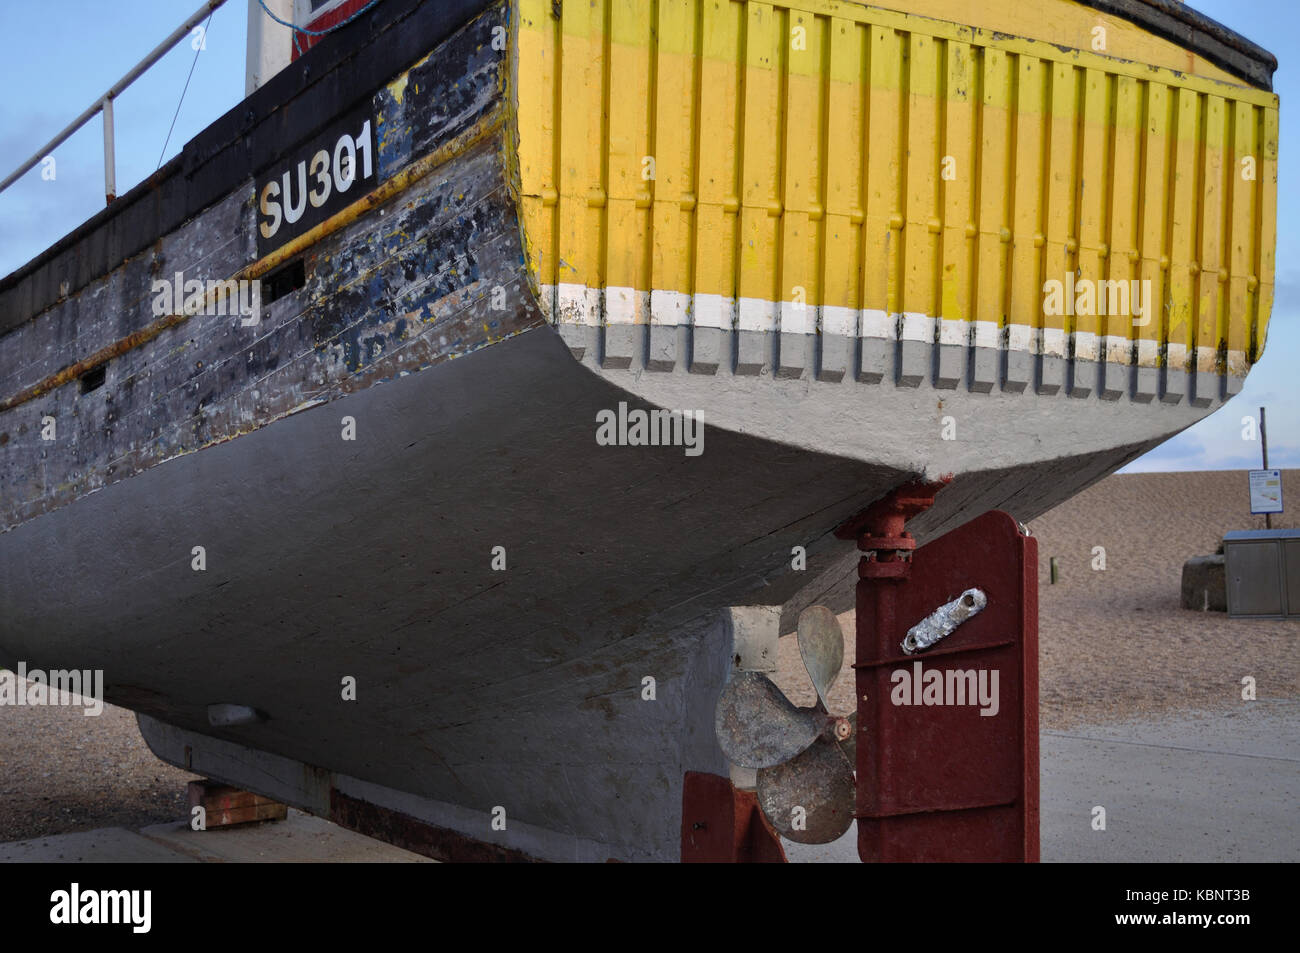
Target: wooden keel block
[{"x": 226, "y": 806}]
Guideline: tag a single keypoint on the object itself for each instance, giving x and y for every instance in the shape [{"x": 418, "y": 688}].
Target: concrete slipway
[{"x": 1207, "y": 787}]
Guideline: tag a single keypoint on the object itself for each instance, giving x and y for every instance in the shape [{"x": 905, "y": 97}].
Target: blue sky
[{"x": 57, "y": 56}]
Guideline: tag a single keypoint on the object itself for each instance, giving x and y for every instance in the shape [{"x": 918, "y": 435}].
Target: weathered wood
[{"x": 226, "y": 806}]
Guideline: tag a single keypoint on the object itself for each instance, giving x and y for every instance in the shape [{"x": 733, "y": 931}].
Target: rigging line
[
  {"x": 302, "y": 29},
  {"x": 203, "y": 42}
]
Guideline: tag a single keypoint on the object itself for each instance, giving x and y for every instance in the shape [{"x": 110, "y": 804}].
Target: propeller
[{"x": 804, "y": 756}]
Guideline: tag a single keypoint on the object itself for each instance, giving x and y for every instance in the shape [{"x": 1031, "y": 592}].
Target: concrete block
[
  {"x": 753, "y": 353},
  {"x": 1051, "y": 374},
  {"x": 985, "y": 369},
  {"x": 663, "y": 348},
  {"x": 916, "y": 361},
  {"x": 952, "y": 366},
  {"x": 876, "y": 361},
  {"x": 793, "y": 357},
  {"x": 707, "y": 350},
  {"x": 1205, "y": 585},
  {"x": 836, "y": 356},
  {"x": 620, "y": 345}
]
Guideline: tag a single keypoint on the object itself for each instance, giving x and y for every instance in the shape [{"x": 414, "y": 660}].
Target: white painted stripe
[
  {"x": 1118, "y": 350},
  {"x": 620, "y": 305},
  {"x": 954, "y": 332},
  {"x": 756, "y": 315},
  {"x": 986, "y": 334},
  {"x": 877, "y": 324},
  {"x": 1053, "y": 344},
  {"x": 797, "y": 318},
  {"x": 1020, "y": 337},
  {"x": 1085, "y": 346},
  {"x": 714, "y": 311},
  {"x": 577, "y": 304},
  {"x": 668, "y": 308},
  {"x": 918, "y": 327},
  {"x": 843, "y": 321}
]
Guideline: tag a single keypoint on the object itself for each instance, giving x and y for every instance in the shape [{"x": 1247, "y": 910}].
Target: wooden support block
[{"x": 225, "y": 806}]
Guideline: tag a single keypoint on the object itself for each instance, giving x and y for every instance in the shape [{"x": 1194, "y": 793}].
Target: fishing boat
[{"x": 442, "y": 440}]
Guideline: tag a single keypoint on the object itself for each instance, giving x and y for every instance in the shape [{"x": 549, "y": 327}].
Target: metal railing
[{"x": 104, "y": 104}]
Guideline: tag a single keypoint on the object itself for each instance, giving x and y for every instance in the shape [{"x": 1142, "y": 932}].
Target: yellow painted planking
[
  {"x": 1155, "y": 213},
  {"x": 1267, "y": 226},
  {"x": 1212, "y": 217},
  {"x": 717, "y": 218},
  {"x": 1185, "y": 212},
  {"x": 883, "y": 171},
  {"x": 957, "y": 175},
  {"x": 920, "y": 236},
  {"x": 1026, "y": 167},
  {"x": 845, "y": 143},
  {"x": 802, "y": 183},
  {"x": 1062, "y": 171},
  {"x": 821, "y": 166},
  {"x": 1124, "y": 210},
  {"x": 994, "y": 232},
  {"x": 761, "y": 134}
]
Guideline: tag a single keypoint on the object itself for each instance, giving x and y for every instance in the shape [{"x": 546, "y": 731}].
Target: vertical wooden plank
[
  {"x": 581, "y": 175},
  {"x": 994, "y": 230},
  {"x": 1149, "y": 327},
  {"x": 718, "y": 187},
  {"x": 804, "y": 164},
  {"x": 956, "y": 176},
  {"x": 1184, "y": 212},
  {"x": 627, "y": 223},
  {"x": 759, "y": 283},
  {"x": 1061, "y": 247},
  {"x": 1242, "y": 238},
  {"x": 1115, "y": 319},
  {"x": 674, "y": 33},
  {"x": 536, "y": 34},
  {"x": 1208, "y": 319},
  {"x": 843, "y": 132},
  {"x": 1092, "y": 219},
  {"x": 883, "y": 209},
  {"x": 1025, "y": 307},
  {"x": 920, "y": 236},
  {"x": 1267, "y": 225}
]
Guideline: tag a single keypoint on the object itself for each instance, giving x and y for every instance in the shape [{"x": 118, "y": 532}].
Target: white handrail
[{"x": 104, "y": 104}]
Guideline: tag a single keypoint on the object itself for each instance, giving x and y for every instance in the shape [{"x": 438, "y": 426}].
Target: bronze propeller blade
[
  {"x": 757, "y": 726},
  {"x": 821, "y": 643},
  {"x": 809, "y": 799}
]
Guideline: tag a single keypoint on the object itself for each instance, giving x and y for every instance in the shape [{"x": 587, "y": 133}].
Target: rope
[
  {"x": 302, "y": 29},
  {"x": 172, "y": 128}
]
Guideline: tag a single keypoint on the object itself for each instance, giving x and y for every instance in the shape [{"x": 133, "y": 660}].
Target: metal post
[
  {"x": 110, "y": 172},
  {"x": 182, "y": 31},
  {"x": 1263, "y": 439}
]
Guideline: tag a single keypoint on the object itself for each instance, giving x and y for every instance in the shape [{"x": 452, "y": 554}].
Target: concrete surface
[
  {"x": 301, "y": 838},
  {"x": 1208, "y": 787}
]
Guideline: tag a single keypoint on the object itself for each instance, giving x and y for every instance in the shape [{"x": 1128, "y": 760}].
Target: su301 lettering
[{"x": 314, "y": 187}]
